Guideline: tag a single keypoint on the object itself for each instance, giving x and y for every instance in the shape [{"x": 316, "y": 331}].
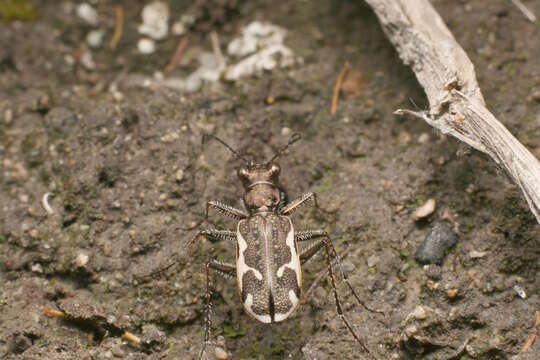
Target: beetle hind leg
[
  {"x": 227, "y": 270},
  {"x": 328, "y": 249},
  {"x": 314, "y": 249},
  {"x": 331, "y": 257}
]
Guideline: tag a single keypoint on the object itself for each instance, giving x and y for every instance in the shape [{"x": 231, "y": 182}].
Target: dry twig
[
  {"x": 182, "y": 45},
  {"x": 216, "y": 47},
  {"x": 337, "y": 87},
  {"x": 447, "y": 75},
  {"x": 524, "y": 10},
  {"x": 118, "y": 27},
  {"x": 530, "y": 341}
]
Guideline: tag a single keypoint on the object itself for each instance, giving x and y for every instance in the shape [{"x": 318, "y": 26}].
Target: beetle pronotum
[{"x": 268, "y": 263}]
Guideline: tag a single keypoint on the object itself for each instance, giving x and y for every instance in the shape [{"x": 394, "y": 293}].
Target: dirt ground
[{"x": 129, "y": 179}]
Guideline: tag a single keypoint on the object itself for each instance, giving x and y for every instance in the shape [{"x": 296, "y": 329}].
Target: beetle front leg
[
  {"x": 225, "y": 209},
  {"x": 296, "y": 203},
  {"x": 223, "y": 269}
]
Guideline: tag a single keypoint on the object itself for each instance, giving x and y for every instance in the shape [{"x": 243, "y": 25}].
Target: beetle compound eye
[
  {"x": 243, "y": 173},
  {"x": 275, "y": 169}
]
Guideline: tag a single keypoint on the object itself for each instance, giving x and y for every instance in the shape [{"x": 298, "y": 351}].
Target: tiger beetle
[{"x": 268, "y": 264}]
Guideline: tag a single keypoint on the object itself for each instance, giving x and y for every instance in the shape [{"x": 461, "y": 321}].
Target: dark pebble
[{"x": 438, "y": 240}]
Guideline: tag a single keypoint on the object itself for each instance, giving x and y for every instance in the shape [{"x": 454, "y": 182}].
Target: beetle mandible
[{"x": 268, "y": 263}]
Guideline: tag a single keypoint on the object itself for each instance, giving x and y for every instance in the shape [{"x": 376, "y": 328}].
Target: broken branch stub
[{"x": 447, "y": 75}]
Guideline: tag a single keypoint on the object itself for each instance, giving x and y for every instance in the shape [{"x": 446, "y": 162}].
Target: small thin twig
[
  {"x": 216, "y": 48},
  {"x": 532, "y": 338},
  {"x": 524, "y": 10},
  {"x": 337, "y": 87},
  {"x": 118, "y": 27},
  {"x": 182, "y": 46}
]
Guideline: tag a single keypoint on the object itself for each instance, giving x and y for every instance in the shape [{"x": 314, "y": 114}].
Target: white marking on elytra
[
  {"x": 262, "y": 318},
  {"x": 294, "y": 264},
  {"x": 294, "y": 301},
  {"x": 241, "y": 266}
]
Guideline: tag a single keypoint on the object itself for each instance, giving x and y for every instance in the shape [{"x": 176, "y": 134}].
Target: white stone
[
  {"x": 220, "y": 353},
  {"x": 81, "y": 260},
  {"x": 87, "y": 61},
  {"x": 178, "y": 28},
  {"x": 477, "y": 254},
  {"x": 95, "y": 38},
  {"x": 425, "y": 210},
  {"x": 146, "y": 46},
  {"x": 86, "y": 12},
  {"x": 155, "y": 18}
]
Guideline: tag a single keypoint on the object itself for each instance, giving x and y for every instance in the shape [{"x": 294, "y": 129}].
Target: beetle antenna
[
  {"x": 294, "y": 138},
  {"x": 207, "y": 137}
]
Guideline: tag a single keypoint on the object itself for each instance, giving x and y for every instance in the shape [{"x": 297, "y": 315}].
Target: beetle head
[{"x": 260, "y": 180}]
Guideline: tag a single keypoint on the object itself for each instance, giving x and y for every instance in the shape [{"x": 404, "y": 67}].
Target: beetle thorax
[{"x": 262, "y": 198}]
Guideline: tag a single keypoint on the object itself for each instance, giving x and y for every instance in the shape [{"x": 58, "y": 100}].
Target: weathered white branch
[{"x": 447, "y": 75}]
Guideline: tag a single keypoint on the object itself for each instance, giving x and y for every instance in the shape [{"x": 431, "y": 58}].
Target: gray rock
[{"x": 438, "y": 240}]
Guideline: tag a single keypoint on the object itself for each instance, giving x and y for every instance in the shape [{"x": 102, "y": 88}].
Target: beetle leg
[
  {"x": 296, "y": 203},
  {"x": 311, "y": 251},
  {"x": 214, "y": 234},
  {"x": 225, "y": 210},
  {"x": 329, "y": 248},
  {"x": 309, "y": 234},
  {"x": 223, "y": 269}
]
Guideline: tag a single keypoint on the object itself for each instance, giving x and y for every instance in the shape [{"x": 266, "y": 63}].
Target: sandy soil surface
[{"x": 129, "y": 178}]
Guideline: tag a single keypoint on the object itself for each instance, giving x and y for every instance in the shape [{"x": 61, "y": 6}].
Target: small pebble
[
  {"x": 95, "y": 38},
  {"x": 438, "y": 241},
  {"x": 81, "y": 260},
  {"x": 520, "y": 291},
  {"x": 373, "y": 260},
  {"x": 404, "y": 138},
  {"x": 452, "y": 293},
  {"x": 178, "y": 28},
  {"x": 86, "y": 12},
  {"x": 179, "y": 176},
  {"x": 8, "y": 116},
  {"x": 477, "y": 254},
  {"x": 425, "y": 210},
  {"x": 146, "y": 46},
  {"x": 37, "y": 268},
  {"x": 170, "y": 137},
  {"x": 411, "y": 330},
  {"x": 88, "y": 61},
  {"x": 220, "y": 353},
  {"x": 423, "y": 138},
  {"x": 419, "y": 313},
  {"x": 285, "y": 131}
]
